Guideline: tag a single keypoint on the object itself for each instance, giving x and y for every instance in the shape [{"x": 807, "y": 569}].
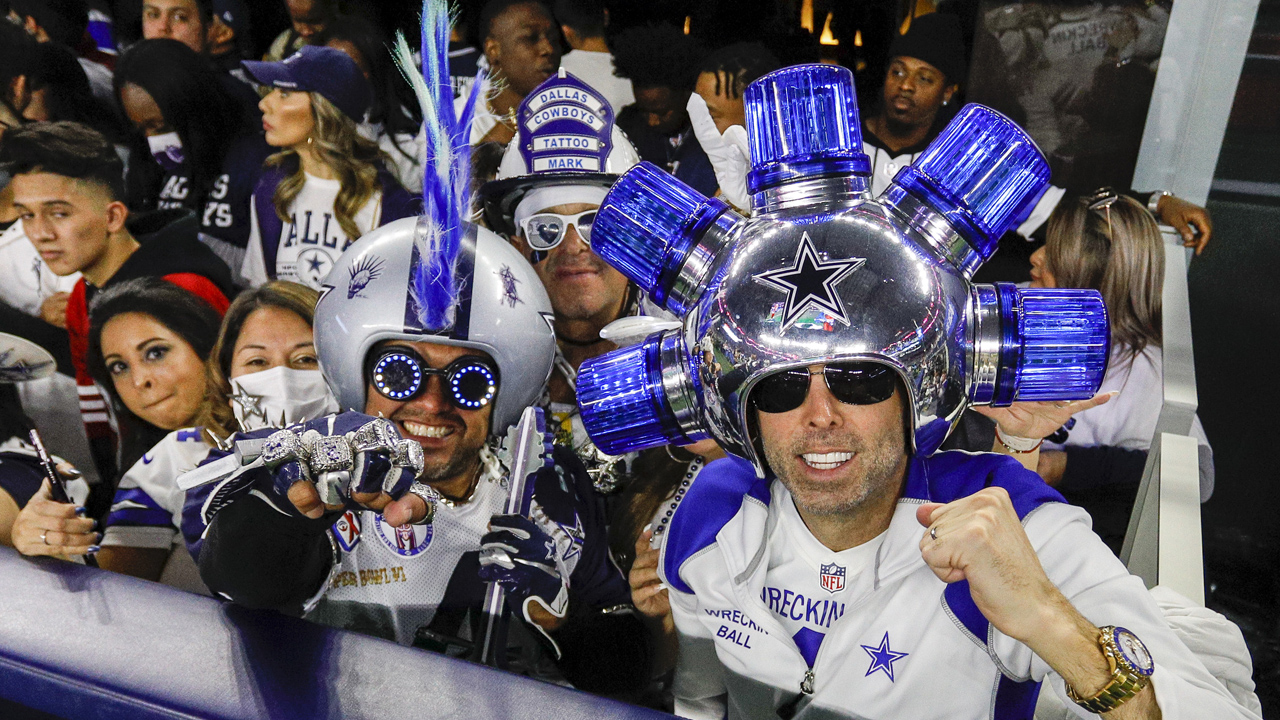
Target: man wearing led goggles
[{"x": 344, "y": 521}]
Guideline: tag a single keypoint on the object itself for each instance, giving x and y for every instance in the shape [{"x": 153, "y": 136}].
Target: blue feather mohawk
[{"x": 446, "y": 182}]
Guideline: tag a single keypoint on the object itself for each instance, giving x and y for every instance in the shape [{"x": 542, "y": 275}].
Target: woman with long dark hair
[
  {"x": 262, "y": 371},
  {"x": 196, "y": 147},
  {"x": 148, "y": 341}
]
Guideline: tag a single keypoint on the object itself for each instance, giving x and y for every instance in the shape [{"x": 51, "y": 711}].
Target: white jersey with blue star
[
  {"x": 312, "y": 240},
  {"x": 907, "y": 644}
]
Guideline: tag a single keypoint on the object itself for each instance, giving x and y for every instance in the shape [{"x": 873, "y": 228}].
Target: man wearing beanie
[{"x": 926, "y": 67}]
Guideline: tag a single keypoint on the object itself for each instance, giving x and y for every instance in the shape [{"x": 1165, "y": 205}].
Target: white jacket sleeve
[
  {"x": 1041, "y": 212},
  {"x": 698, "y": 686},
  {"x": 1104, "y": 592},
  {"x": 699, "y": 681},
  {"x": 254, "y": 269}
]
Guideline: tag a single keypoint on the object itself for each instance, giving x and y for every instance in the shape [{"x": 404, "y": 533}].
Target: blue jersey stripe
[
  {"x": 141, "y": 516},
  {"x": 1015, "y": 700}
]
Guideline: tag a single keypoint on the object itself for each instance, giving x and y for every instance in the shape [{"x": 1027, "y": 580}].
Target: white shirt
[
  {"x": 484, "y": 120},
  {"x": 808, "y": 585},
  {"x": 147, "y": 509},
  {"x": 25, "y": 280},
  {"x": 391, "y": 581},
  {"x": 1128, "y": 420},
  {"x": 406, "y": 151},
  {"x": 312, "y": 240},
  {"x": 596, "y": 69}
]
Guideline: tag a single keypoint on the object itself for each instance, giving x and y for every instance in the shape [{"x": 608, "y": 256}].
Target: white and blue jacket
[{"x": 908, "y": 645}]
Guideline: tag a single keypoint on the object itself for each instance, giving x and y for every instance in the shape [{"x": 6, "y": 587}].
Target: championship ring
[
  {"x": 408, "y": 454},
  {"x": 329, "y": 454},
  {"x": 281, "y": 447},
  {"x": 378, "y": 435},
  {"x": 429, "y": 495}
]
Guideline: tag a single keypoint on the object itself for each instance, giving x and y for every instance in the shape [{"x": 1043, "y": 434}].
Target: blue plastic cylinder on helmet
[
  {"x": 983, "y": 172},
  {"x": 802, "y": 122},
  {"x": 1055, "y": 344},
  {"x": 626, "y": 396},
  {"x": 648, "y": 224}
]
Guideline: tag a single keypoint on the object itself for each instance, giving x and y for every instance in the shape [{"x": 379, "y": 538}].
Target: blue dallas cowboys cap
[
  {"x": 566, "y": 137},
  {"x": 328, "y": 72}
]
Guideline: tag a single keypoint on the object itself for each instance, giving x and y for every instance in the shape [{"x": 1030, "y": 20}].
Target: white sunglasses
[{"x": 546, "y": 230}]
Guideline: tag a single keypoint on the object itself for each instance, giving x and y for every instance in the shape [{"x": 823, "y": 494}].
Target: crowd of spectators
[{"x": 171, "y": 208}]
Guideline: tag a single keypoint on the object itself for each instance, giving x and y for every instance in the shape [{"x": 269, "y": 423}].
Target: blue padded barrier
[{"x": 89, "y": 644}]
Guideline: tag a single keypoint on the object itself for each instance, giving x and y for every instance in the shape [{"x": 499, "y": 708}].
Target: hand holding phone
[{"x": 57, "y": 486}]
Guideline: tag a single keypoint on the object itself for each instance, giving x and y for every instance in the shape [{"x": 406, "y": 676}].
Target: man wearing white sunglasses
[{"x": 544, "y": 198}]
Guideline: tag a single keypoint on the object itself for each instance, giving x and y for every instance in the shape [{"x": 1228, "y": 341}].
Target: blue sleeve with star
[
  {"x": 568, "y": 499},
  {"x": 605, "y": 646}
]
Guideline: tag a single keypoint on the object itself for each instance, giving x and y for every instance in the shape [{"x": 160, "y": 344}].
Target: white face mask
[
  {"x": 280, "y": 396},
  {"x": 167, "y": 150}
]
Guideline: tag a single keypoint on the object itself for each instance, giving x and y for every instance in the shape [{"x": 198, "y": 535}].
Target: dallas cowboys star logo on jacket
[
  {"x": 883, "y": 657},
  {"x": 810, "y": 281}
]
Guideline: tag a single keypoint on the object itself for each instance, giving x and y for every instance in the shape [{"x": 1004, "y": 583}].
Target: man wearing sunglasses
[
  {"x": 406, "y": 557},
  {"x": 825, "y": 582}
]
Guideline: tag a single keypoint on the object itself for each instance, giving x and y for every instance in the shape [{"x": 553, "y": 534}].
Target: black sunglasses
[
  {"x": 852, "y": 383},
  {"x": 400, "y": 374}
]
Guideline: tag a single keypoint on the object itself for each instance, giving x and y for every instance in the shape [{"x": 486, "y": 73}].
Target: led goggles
[
  {"x": 852, "y": 383},
  {"x": 400, "y": 374}
]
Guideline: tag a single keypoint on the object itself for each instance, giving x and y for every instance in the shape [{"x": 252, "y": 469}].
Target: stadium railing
[
  {"x": 1163, "y": 543},
  {"x": 77, "y": 642}
]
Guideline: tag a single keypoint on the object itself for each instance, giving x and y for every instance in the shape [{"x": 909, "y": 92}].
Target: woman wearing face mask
[
  {"x": 261, "y": 372},
  {"x": 1111, "y": 243},
  {"x": 328, "y": 185},
  {"x": 207, "y": 150},
  {"x": 148, "y": 341}
]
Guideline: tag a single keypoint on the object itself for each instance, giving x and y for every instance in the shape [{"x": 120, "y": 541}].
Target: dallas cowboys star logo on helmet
[{"x": 810, "y": 281}]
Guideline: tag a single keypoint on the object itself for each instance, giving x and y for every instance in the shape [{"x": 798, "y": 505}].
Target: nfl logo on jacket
[{"x": 832, "y": 577}]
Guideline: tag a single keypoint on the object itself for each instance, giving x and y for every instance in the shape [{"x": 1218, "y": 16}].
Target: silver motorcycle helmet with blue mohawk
[
  {"x": 437, "y": 278},
  {"x": 823, "y": 272}
]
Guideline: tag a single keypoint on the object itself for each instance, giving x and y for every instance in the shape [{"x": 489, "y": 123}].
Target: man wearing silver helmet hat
[
  {"x": 438, "y": 332},
  {"x": 840, "y": 565},
  {"x": 567, "y": 153}
]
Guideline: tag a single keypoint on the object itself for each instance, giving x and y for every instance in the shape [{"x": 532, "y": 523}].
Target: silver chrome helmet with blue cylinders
[{"x": 823, "y": 272}]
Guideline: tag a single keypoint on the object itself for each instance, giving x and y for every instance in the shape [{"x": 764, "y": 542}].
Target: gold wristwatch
[{"x": 1131, "y": 669}]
